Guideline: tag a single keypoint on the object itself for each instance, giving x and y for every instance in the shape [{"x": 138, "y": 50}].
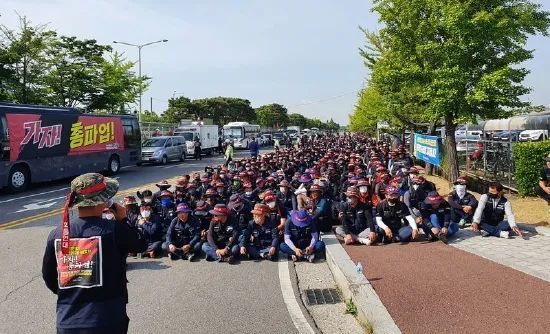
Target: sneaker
[
  {"x": 310, "y": 258},
  {"x": 263, "y": 255},
  {"x": 294, "y": 258},
  {"x": 462, "y": 223},
  {"x": 484, "y": 233},
  {"x": 231, "y": 260},
  {"x": 443, "y": 238},
  {"x": 364, "y": 241},
  {"x": 504, "y": 234},
  {"x": 173, "y": 256},
  {"x": 190, "y": 257}
]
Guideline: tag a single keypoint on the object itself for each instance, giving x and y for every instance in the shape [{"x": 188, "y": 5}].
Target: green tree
[
  {"x": 119, "y": 86},
  {"x": 226, "y": 109},
  {"x": 74, "y": 75},
  {"x": 454, "y": 61},
  {"x": 23, "y": 60},
  {"x": 297, "y": 120},
  {"x": 182, "y": 108},
  {"x": 369, "y": 110},
  {"x": 272, "y": 116},
  {"x": 151, "y": 117}
]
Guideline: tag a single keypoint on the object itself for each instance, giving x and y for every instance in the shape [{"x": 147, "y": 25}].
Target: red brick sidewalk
[{"x": 435, "y": 288}]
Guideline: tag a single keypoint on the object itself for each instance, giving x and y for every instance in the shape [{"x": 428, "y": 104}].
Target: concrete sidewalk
[{"x": 457, "y": 288}]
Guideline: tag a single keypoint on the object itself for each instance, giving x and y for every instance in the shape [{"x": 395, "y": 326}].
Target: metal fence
[{"x": 488, "y": 159}]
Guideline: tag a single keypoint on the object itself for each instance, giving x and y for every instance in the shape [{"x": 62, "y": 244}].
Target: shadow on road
[{"x": 147, "y": 265}]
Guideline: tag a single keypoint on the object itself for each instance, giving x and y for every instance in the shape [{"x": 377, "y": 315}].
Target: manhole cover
[{"x": 322, "y": 296}]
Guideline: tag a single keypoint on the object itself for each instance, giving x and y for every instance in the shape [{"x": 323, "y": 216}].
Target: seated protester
[
  {"x": 490, "y": 212},
  {"x": 167, "y": 206},
  {"x": 204, "y": 185},
  {"x": 183, "y": 238},
  {"x": 236, "y": 185},
  {"x": 132, "y": 211},
  {"x": 222, "y": 194},
  {"x": 277, "y": 213},
  {"x": 211, "y": 197},
  {"x": 320, "y": 209},
  {"x": 379, "y": 189},
  {"x": 463, "y": 204},
  {"x": 436, "y": 218},
  {"x": 356, "y": 217},
  {"x": 150, "y": 228},
  {"x": 415, "y": 196},
  {"x": 240, "y": 213},
  {"x": 365, "y": 195},
  {"x": 202, "y": 215},
  {"x": 285, "y": 196},
  {"x": 543, "y": 188},
  {"x": 250, "y": 194},
  {"x": 162, "y": 185},
  {"x": 261, "y": 238},
  {"x": 222, "y": 244},
  {"x": 394, "y": 222},
  {"x": 146, "y": 198},
  {"x": 191, "y": 195},
  {"x": 301, "y": 239},
  {"x": 426, "y": 185}
]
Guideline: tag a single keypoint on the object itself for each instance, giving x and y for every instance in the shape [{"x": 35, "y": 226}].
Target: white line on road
[
  {"x": 294, "y": 310},
  {"x": 33, "y": 195}
]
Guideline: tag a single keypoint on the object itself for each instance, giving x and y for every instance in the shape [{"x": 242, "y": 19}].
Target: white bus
[{"x": 241, "y": 133}]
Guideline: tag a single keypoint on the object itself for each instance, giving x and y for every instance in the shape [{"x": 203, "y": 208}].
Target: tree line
[
  {"x": 230, "y": 109},
  {"x": 39, "y": 66},
  {"x": 444, "y": 63}
]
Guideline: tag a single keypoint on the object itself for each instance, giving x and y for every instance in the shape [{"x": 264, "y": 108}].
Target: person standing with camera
[{"x": 84, "y": 263}]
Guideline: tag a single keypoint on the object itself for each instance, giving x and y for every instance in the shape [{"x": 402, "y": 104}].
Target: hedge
[{"x": 529, "y": 161}]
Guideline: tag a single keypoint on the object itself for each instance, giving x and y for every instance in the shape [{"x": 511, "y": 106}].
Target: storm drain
[{"x": 322, "y": 296}]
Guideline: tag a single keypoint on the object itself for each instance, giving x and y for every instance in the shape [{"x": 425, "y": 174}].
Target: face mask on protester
[
  {"x": 166, "y": 202},
  {"x": 147, "y": 199},
  {"x": 283, "y": 189},
  {"x": 460, "y": 189},
  {"x": 258, "y": 220},
  {"x": 363, "y": 189},
  {"x": 248, "y": 193},
  {"x": 416, "y": 186},
  {"x": 108, "y": 216},
  {"x": 393, "y": 200},
  {"x": 146, "y": 214},
  {"x": 272, "y": 205}
]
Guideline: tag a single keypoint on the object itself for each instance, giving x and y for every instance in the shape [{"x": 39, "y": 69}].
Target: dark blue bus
[{"x": 40, "y": 143}]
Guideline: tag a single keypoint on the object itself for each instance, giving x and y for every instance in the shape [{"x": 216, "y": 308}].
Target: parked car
[
  {"x": 533, "y": 135},
  {"x": 163, "y": 149},
  {"x": 505, "y": 135}
]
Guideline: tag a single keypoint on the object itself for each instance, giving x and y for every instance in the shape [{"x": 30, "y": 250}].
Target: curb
[
  {"x": 545, "y": 231},
  {"x": 357, "y": 287}
]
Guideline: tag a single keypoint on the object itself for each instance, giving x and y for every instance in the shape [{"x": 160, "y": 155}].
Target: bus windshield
[
  {"x": 189, "y": 136},
  {"x": 154, "y": 142},
  {"x": 233, "y": 132}
]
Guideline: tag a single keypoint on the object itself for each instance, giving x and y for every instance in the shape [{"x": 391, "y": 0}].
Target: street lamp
[{"x": 140, "y": 46}]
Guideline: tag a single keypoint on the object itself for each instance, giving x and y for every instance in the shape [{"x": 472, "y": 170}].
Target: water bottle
[{"x": 359, "y": 268}]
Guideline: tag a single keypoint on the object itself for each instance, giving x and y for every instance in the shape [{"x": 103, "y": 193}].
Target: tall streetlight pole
[{"x": 140, "y": 46}]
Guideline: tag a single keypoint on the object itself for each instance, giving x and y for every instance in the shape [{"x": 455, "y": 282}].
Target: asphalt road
[{"x": 165, "y": 296}]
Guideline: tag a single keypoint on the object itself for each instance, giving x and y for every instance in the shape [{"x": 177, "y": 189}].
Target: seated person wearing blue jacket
[{"x": 301, "y": 238}]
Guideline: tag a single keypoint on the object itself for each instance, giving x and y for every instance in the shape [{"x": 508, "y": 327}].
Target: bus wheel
[
  {"x": 19, "y": 178},
  {"x": 183, "y": 157},
  {"x": 114, "y": 165}
]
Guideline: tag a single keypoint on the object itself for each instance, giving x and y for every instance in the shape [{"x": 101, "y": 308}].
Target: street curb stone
[
  {"x": 535, "y": 229},
  {"x": 358, "y": 288}
]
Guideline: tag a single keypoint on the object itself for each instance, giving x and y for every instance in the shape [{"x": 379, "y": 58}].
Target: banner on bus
[
  {"x": 34, "y": 136},
  {"x": 428, "y": 148}
]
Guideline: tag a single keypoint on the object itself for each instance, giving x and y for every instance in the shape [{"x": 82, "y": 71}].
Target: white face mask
[
  {"x": 248, "y": 193},
  {"x": 416, "y": 186},
  {"x": 108, "y": 216},
  {"x": 460, "y": 190},
  {"x": 147, "y": 199},
  {"x": 272, "y": 205},
  {"x": 145, "y": 214},
  {"x": 363, "y": 189},
  {"x": 282, "y": 189}
]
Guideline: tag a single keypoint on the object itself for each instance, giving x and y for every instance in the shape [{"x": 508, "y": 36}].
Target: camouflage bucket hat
[{"x": 92, "y": 189}]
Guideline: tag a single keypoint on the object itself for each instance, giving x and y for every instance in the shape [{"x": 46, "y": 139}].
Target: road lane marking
[
  {"x": 36, "y": 206},
  {"x": 33, "y": 195},
  {"x": 294, "y": 310}
]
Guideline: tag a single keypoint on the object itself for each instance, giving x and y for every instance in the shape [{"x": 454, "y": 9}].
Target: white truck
[
  {"x": 207, "y": 134},
  {"x": 293, "y": 131}
]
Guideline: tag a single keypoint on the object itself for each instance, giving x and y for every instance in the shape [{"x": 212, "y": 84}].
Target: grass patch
[{"x": 351, "y": 308}]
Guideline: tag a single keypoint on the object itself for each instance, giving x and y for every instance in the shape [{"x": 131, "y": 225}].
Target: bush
[{"x": 529, "y": 160}]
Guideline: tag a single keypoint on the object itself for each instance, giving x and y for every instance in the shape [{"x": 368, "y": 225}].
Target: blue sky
[{"x": 302, "y": 54}]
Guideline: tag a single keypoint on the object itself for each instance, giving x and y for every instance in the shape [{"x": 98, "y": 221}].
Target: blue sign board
[{"x": 428, "y": 148}]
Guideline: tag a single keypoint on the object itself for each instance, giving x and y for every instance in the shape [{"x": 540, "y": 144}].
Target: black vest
[{"x": 493, "y": 216}]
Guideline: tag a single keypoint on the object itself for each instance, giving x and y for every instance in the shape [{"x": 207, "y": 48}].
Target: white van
[{"x": 533, "y": 135}]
